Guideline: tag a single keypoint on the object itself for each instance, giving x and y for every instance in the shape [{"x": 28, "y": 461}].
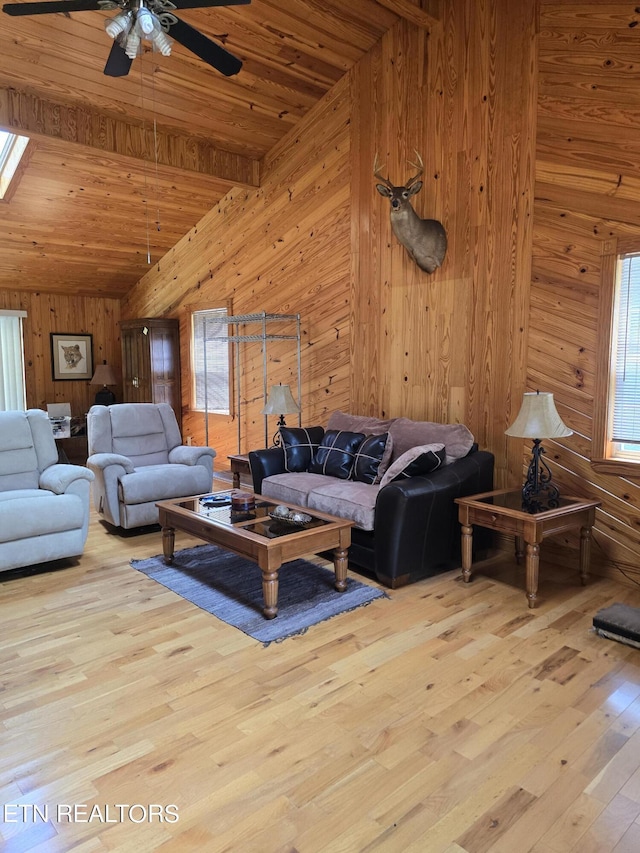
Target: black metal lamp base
[
  {"x": 539, "y": 493},
  {"x": 104, "y": 397},
  {"x": 277, "y": 442}
]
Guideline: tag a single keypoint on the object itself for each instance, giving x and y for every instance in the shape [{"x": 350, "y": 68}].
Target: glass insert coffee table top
[
  {"x": 217, "y": 507},
  {"x": 513, "y": 500}
]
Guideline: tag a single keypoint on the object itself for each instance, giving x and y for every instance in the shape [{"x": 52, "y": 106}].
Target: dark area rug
[{"x": 230, "y": 587}]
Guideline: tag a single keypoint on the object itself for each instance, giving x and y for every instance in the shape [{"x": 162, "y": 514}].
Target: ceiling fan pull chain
[
  {"x": 144, "y": 162},
  {"x": 155, "y": 149}
]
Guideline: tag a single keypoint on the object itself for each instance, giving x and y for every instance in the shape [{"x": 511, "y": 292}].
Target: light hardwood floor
[{"x": 448, "y": 717}]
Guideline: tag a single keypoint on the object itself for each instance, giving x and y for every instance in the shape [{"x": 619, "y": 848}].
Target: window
[
  {"x": 12, "y": 384},
  {"x": 616, "y": 440},
  {"x": 12, "y": 148},
  {"x": 211, "y": 358}
]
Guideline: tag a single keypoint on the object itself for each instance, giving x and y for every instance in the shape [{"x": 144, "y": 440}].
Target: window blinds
[
  {"x": 626, "y": 360},
  {"x": 211, "y": 358}
]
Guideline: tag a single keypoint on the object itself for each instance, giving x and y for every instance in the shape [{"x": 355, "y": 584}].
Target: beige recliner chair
[
  {"x": 44, "y": 506},
  {"x": 137, "y": 456}
]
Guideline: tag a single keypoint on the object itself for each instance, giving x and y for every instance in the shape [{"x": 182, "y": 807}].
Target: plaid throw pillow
[
  {"x": 336, "y": 454},
  {"x": 368, "y": 458},
  {"x": 300, "y": 445}
]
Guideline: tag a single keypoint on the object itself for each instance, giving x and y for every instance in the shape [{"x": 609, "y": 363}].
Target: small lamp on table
[
  {"x": 538, "y": 418},
  {"x": 104, "y": 375},
  {"x": 280, "y": 402}
]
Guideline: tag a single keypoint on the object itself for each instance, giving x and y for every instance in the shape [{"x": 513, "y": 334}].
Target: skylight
[{"x": 12, "y": 147}]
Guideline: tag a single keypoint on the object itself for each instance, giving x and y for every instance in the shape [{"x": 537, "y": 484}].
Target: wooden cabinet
[{"x": 151, "y": 362}]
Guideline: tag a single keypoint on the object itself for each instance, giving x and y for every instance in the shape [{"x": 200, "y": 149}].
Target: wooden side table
[
  {"x": 502, "y": 511},
  {"x": 239, "y": 465}
]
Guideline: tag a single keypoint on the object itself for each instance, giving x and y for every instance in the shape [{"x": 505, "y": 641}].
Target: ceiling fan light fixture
[
  {"x": 120, "y": 24},
  {"x": 143, "y": 19},
  {"x": 161, "y": 42},
  {"x": 132, "y": 44},
  {"x": 146, "y": 21}
]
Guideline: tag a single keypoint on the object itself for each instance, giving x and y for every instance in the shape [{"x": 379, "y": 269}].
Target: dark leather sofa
[{"x": 416, "y": 532}]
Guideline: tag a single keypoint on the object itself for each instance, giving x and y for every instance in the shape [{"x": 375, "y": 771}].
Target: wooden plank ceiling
[{"x": 118, "y": 169}]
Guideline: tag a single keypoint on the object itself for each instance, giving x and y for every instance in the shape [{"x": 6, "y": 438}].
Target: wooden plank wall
[
  {"x": 587, "y": 185},
  {"x": 283, "y": 249},
  {"x": 448, "y": 346},
  {"x": 315, "y": 237},
  {"x": 53, "y": 312}
]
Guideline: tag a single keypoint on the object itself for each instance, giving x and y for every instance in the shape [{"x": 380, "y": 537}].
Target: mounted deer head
[{"x": 424, "y": 239}]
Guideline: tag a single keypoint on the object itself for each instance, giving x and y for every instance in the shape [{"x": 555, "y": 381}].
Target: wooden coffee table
[
  {"x": 502, "y": 510},
  {"x": 257, "y": 536}
]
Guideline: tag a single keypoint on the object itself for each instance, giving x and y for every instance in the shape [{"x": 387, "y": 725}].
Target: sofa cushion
[
  {"x": 417, "y": 460},
  {"x": 292, "y": 488},
  {"x": 18, "y": 458},
  {"x": 359, "y": 423},
  {"x": 12, "y": 494},
  {"x": 28, "y": 516},
  {"x": 336, "y": 454},
  {"x": 406, "y": 433},
  {"x": 346, "y": 499},
  {"x": 163, "y": 482},
  {"x": 368, "y": 458},
  {"x": 300, "y": 446}
]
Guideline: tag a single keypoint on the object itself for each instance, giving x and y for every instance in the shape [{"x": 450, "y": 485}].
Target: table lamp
[
  {"x": 280, "y": 402},
  {"x": 537, "y": 419},
  {"x": 104, "y": 376}
]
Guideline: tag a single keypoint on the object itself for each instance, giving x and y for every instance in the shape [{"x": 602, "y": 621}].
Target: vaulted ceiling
[{"x": 119, "y": 169}]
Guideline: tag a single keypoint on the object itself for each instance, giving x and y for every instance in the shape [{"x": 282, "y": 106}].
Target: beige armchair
[
  {"x": 44, "y": 506},
  {"x": 137, "y": 456}
]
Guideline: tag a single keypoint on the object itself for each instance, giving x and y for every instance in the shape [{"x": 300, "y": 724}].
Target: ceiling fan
[{"x": 139, "y": 20}]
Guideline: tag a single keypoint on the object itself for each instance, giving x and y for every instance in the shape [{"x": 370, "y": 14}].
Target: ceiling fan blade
[
  {"x": 206, "y": 49},
  {"x": 202, "y": 4},
  {"x": 46, "y": 8},
  {"x": 118, "y": 63}
]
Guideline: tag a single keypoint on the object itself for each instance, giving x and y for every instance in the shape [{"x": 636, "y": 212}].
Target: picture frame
[{"x": 71, "y": 356}]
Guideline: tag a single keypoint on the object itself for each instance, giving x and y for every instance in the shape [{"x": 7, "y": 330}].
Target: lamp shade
[
  {"x": 104, "y": 375},
  {"x": 280, "y": 401},
  {"x": 538, "y": 418}
]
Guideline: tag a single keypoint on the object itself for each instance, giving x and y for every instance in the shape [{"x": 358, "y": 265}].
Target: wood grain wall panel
[
  {"x": 581, "y": 326},
  {"x": 618, "y": 211},
  {"x": 451, "y": 345},
  {"x": 587, "y": 190},
  {"x": 620, "y": 498},
  {"x": 284, "y": 248},
  {"x": 47, "y": 313},
  {"x": 561, "y": 351}
]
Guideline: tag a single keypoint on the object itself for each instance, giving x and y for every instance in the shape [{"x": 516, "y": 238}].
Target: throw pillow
[
  {"x": 368, "y": 457},
  {"x": 417, "y": 460},
  {"x": 336, "y": 453},
  {"x": 369, "y": 426},
  {"x": 406, "y": 434},
  {"x": 300, "y": 445}
]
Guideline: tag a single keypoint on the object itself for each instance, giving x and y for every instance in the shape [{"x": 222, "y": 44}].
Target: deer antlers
[
  {"x": 419, "y": 166},
  {"x": 376, "y": 173},
  {"x": 377, "y": 170}
]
